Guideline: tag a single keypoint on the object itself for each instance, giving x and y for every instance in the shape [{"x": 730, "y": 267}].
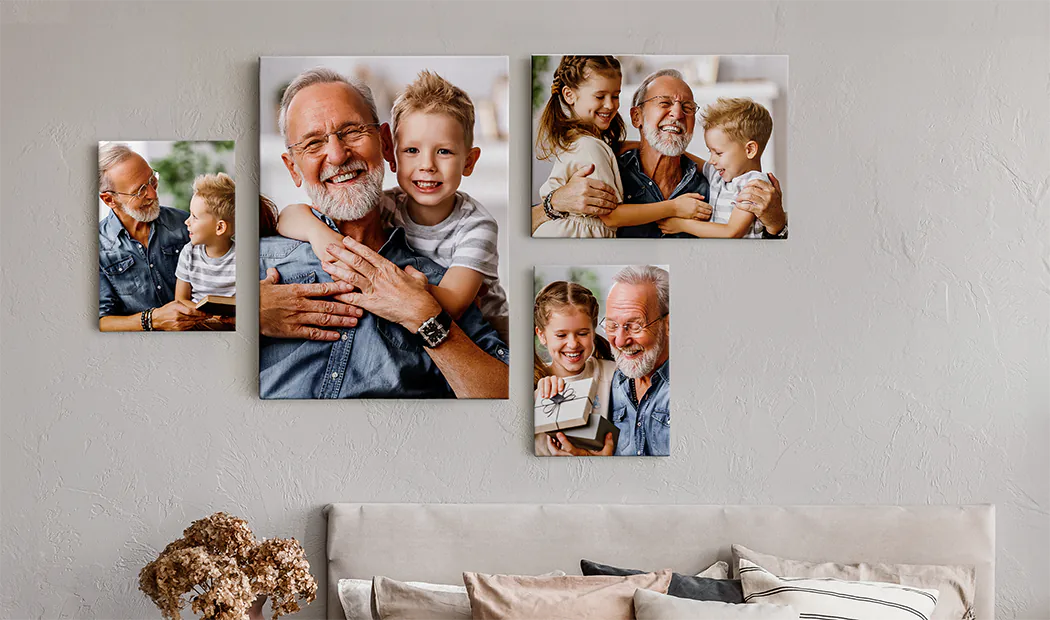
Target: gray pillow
[{"x": 682, "y": 586}]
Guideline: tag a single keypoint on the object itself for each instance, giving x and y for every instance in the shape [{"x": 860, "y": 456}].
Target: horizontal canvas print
[
  {"x": 384, "y": 183},
  {"x": 166, "y": 251},
  {"x": 659, "y": 146},
  {"x": 602, "y": 363}
]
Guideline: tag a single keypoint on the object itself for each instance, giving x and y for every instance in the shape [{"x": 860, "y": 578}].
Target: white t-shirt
[
  {"x": 468, "y": 238},
  {"x": 723, "y": 195},
  {"x": 207, "y": 275}
]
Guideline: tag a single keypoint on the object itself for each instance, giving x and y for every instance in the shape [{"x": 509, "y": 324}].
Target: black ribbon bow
[{"x": 552, "y": 405}]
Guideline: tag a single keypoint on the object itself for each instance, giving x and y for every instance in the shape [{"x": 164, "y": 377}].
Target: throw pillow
[
  {"x": 682, "y": 586},
  {"x": 655, "y": 606}
]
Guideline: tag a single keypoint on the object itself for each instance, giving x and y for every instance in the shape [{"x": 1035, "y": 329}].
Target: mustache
[{"x": 330, "y": 171}]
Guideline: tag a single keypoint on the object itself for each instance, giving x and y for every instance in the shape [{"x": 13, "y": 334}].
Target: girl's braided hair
[{"x": 558, "y": 129}]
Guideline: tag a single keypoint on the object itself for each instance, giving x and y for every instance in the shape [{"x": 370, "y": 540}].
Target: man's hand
[
  {"x": 692, "y": 207},
  {"x": 583, "y": 195},
  {"x": 567, "y": 449},
  {"x": 175, "y": 316},
  {"x": 765, "y": 200},
  {"x": 291, "y": 310},
  {"x": 397, "y": 295}
]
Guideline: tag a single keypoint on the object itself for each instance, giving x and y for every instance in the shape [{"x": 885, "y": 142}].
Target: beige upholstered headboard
[{"x": 437, "y": 542}]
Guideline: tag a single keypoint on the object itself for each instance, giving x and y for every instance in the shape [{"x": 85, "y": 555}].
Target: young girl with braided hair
[
  {"x": 566, "y": 317},
  {"x": 580, "y": 126}
]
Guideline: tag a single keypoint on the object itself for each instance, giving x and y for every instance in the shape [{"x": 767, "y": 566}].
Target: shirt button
[
  {"x": 344, "y": 336},
  {"x": 151, "y": 265},
  {"x": 650, "y": 182},
  {"x": 335, "y": 375},
  {"x": 501, "y": 351},
  {"x": 639, "y": 425},
  {"x": 639, "y": 453},
  {"x": 158, "y": 286}
]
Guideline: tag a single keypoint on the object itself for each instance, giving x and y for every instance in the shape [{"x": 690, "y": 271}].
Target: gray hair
[
  {"x": 637, "y": 275},
  {"x": 109, "y": 155},
  {"x": 639, "y": 95},
  {"x": 322, "y": 75}
]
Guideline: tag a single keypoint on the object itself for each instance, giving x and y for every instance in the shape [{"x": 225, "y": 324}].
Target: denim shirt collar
[
  {"x": 631, "y": 162},
  {"x": 663, "y": 372},
  {"x": 395, "y": 239}
]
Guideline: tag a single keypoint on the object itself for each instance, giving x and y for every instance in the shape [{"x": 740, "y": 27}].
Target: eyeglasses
[
  {"x": 632, "y": 328},
  {"x": 666, "y": 103},
  {"x": 348, "y": 135},
  {"x": 152, "y": 182}
]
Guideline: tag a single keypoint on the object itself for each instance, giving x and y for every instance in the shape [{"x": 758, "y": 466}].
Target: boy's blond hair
[
  {"x": 432, "y": 93},
  {"x": 218, "y": 192},
  {"x": 741, "y": 119}
]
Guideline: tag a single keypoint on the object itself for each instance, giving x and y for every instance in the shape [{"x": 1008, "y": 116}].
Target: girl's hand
[
  {"x": 670, "y": 226},
  {"x": 549, "y": 386},
  {"x": 691, "y": 207}
]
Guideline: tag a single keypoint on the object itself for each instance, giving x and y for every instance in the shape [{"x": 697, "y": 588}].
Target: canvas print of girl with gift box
[{"x": 602, "y": 374}]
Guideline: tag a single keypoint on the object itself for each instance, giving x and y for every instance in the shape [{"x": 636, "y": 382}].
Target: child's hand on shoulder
[{"x": 549, "y": 386}]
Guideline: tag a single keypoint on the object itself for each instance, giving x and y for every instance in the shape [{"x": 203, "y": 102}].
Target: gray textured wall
[{"x": 894, "y": 350}]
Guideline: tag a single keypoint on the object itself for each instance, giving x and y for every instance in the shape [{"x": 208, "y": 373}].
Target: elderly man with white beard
[
  {"x": 637, "y": 324},
  {"x": 366, "y": 325},
  {"x": 664, "y": 112}
]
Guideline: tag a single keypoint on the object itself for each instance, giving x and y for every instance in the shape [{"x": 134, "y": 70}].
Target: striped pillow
[{"x": 832, "y": 599}]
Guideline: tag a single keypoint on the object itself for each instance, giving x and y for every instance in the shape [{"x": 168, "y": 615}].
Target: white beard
[
  {"x": 145, "y": 214},
  {"x": 669, "y": 144},
  {"x": 646, "y": 364},
  {"x": 345, "y": 204}
]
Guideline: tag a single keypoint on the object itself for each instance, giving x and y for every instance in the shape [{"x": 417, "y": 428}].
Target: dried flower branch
[{"x": 220, "y": 564}]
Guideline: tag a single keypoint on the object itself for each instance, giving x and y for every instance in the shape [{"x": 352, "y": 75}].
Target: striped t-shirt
[
  {"x": 207, "y": 275},
  {"x": 723, "y": 197},
  {"x": 466, "y": 238}
]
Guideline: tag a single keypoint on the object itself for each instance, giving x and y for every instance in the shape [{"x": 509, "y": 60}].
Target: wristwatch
[
  {"x": 549, "y": 210},
  {"x": 435, "y": 330},
  {"x": 783, "y": 234}
]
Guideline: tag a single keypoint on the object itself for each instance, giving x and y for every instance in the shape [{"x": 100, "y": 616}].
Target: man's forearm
[
  {"x": 470, "y": 371},
  {"x": 112, "y": 323},
  {"x": 538, "y": 217}
]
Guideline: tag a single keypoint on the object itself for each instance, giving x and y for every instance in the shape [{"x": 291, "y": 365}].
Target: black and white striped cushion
[{"x": 832, "y": 599}]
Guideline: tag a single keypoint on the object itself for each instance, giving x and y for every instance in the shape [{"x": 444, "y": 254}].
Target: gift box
[
  {"x": 569, "y": 409},
  {"x": 592, "y": 435}
]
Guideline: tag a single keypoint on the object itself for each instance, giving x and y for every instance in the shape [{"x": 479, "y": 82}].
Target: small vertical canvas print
[
  {"x": 659, "y": 146},
  {"x": 601, "y": 374},
  {"x": 381, "y": 275},
  {"x": 166, "y": 251}
]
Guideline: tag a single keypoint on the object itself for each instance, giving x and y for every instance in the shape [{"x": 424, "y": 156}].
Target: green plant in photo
[
  {"x": 540, "y": 90},
  {"x": 184, "y": 163}
]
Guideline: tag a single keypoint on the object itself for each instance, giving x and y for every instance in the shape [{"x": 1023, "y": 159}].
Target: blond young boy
[
  {"x": 736, "y": 132},
  {"x": 207, "y": 263},
  {"x": 433, "y": 130}
]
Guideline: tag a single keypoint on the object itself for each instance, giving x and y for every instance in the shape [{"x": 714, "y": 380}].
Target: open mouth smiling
[
  {"x": 427, "y": 186},
  {"x": 344, "y": 176}
]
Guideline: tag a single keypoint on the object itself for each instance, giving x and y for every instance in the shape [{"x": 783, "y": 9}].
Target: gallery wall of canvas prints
[
  {"x": 382, "y": 227},
  {"x": 656, "y": 146},
  {"x": 602, "y": 361},
  {"x": 166, "y": 227}
]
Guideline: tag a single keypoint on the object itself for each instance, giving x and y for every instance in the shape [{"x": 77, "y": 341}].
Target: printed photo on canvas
[
  {"x": 166, "y": 225},
  {"x": 383, "y": 277},
  {"x": 692, "y": 152},
  {"x": 601, "y": 367}
]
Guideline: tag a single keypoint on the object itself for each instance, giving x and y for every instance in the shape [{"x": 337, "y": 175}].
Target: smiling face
[
  {"x": 432, "y": 157},
  {"x": 127, "y": 177},
  {"x": 596, "y": 100},
  {"x": 569, "y": 338},
  {"x": 344, "y": 181},
  {"x": 636, "y": 355},
  {"x": 730, "y": 157},
  {"x": 203, "y": 226},
  {"x": 661, "y": 120}
]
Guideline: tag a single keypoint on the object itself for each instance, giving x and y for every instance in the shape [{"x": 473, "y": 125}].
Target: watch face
[{"x": 432, "y": 332}]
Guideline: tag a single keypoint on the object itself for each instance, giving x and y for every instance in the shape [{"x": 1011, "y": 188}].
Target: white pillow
[
  {"x": 718, "y": 570},
  {"x": 833, "y": 598},
  {"x": 649, "y": 605}
]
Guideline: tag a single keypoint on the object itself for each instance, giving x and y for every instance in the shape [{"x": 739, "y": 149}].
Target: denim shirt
[
  {"x": 375, "y": 359},
  {"x": 132, "y": 278},
  {"x": 645, "y": 427},
  {"x": 638, "y": 188}
]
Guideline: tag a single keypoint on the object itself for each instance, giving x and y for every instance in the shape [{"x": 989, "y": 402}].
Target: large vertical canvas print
[
  {"x": 602, "y": 374},
  {"x": 659, "y": 146},
  {"x": 166, "y": 236},
  {"x": 384, "y": 206}
]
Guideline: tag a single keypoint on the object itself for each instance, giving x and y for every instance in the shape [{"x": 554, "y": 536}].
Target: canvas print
[
  {"x": 166, "y": 225},
  {"x": 602, "y": 375},
  {"x": 659, "y": 146},
  {"x": 385, "y": 201}
]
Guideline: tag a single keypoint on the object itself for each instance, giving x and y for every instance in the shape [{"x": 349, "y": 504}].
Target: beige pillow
[
  {"x": 956, "y": 584},
  {"x": 395, "y": 600},
  {"x": 718, "y": 570},
  {"x": 512, "y": 597},
  {"x": 655, "y": 606}
]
